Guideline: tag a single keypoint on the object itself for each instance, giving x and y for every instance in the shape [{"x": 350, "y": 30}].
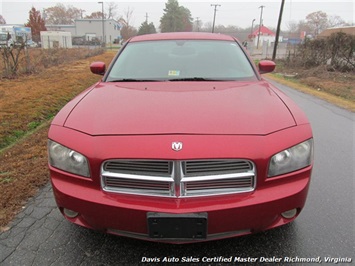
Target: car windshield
[{"x": 182, "y": 60}]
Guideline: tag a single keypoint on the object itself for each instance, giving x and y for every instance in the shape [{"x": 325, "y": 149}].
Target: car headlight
[
  {"x": 67, "y": 160},
  {"x": 292, "y": 159}
]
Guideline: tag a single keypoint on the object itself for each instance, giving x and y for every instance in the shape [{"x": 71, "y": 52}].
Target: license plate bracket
[{"x": 177, "y": 226}]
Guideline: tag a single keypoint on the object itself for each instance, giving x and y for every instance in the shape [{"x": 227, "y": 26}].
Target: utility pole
[
  {"x": 214, "y": 16},
  {"x": 103, "y": 25},
  {"x": 81, "y": 13},
  {"x": 252, "y": 27},
  {"x": 260, "y": 24},
  {"x": 278, "y": 31},
  {"x": 146, "y": 18},
  {"x": 198, "y": 23}
]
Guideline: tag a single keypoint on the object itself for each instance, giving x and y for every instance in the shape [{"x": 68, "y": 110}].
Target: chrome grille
[{"x": 178, "y": 178}]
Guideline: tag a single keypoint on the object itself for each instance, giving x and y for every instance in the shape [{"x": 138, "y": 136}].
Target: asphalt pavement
[{"x": 324, "y": 231}]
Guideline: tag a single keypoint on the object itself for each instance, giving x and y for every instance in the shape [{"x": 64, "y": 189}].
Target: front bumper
[{"x": 226, "y": 216}]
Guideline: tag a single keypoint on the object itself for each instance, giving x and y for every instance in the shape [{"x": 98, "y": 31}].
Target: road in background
[{"x": 41, "y": 236}]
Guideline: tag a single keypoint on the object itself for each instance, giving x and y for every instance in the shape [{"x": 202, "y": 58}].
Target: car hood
[{"x": 251, "y": 108}]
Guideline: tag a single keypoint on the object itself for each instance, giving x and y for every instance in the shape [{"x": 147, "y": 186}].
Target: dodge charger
[{"x": 181, "y": 140}]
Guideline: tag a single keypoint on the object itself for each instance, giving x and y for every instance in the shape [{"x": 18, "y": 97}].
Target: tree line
[{"x": 175, "y": 18}]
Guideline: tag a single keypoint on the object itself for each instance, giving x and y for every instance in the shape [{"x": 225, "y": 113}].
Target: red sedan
[{"x": 180, "y": 141}]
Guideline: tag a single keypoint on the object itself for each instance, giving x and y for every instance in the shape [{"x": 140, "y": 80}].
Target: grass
[
  {"x": 333, "y": 86},
  {"x": 27, "y": 106},
  {"x": 33, "y": 125},
  {"x": 5, "y": 177},
  {"x": 344, "y": 102},
  {"x": 29, "y": 101},
  {"x": 12, "y": 137}
]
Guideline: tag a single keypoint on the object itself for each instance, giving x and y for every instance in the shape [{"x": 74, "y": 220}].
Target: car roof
[{"x": 182, "y": 36}]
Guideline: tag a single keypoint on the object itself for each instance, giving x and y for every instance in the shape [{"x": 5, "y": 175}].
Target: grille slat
[
  {"x": 198, "y": 167},
  {"x": 124, "y": 183},
  {"x": 228, "y": 182},
  {"x": 219, "y": 184},
  {"x": 135, "y": 167},
  {"x": 194, "y": 177}
]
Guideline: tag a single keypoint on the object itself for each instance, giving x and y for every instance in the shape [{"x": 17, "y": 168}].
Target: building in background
[
  {"x": 266, "y": 36},
  {"x": 91, "y": 27},
  {"x": 16, "y": 34},
  {"x": 66, "y": 28},
  {"x": 327, "y": 32},
  {"x": 56, "y": 39},
  {"x": 91, "y": 31}
]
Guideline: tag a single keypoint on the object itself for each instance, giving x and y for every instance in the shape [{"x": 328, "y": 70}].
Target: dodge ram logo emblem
[{"x": 176, "y": 146}]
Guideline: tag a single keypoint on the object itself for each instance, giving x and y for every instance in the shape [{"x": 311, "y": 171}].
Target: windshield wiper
[
  {"x": 193, "y": 79},
  {"x": 156, "y": 80},
  {"x": 133, "y": 80}
]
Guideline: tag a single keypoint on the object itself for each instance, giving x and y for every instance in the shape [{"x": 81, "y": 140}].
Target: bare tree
[
  {"x": 61, "y": 14},
  {"x": 317, "y": 21},
  {"x": 111, "y": 10},
  {"x": 127, "y": 16},
  {"x": 335, "y": 21},
  {"x": 11, "y": 59},
  {"x": 292, "y": 26},
  {"x": 127, "y": 30},
  {"x": 95, "y": 15}
]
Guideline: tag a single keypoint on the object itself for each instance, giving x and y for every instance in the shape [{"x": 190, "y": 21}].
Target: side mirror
[
  {"x": 98, "y": 68},
  {"x": 266, "y": 66}
]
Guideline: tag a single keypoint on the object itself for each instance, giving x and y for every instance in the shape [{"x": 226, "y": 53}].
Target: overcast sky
[{"x": 231, "y": 12}]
